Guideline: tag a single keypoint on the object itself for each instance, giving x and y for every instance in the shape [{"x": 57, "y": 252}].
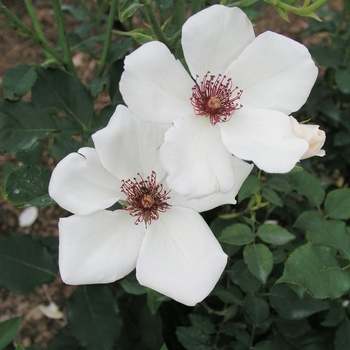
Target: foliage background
[{"x": 308, "y": 250}]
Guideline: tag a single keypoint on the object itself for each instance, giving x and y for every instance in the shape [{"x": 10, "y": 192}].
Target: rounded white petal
[
  {"x": 81, "y": 185},
  {"x": 180, "y": 257},
  {"x": 155, "y": 86},
  {"x": 241, "y": 171},
  {"x": 127, "y": 146},
  {"x": 214, "y": 37},
  {"x": 98, "y": 248},
  {"x": 195, "y": 158},
  {"x": 265, "y": 137},
  {"x": 28, "y": 217},
  {"x": 274, "y": 72}
]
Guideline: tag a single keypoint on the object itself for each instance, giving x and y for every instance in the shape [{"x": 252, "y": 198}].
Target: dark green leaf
[
  {"x": 259, "y": 259},
  {"x": 64, "y": 340},
  {"x": 164, "y": 347},
  {"x": 8, "y": 331},
  {"x": 64, "y": 144},
  {"x": 336, "y": 314},
  {"x": 342, "y": 78},
  {"x": 74, "y": 11},
  {"x": 164, "y": 4},
  {"x": 25, "y": 263},
  {"x": 337, "y": 204},
  {"x": 315, "y": 269},
  {"x": 288, "y": 304},
  {"x": 94, "y": 318},
  {"x": 115, "y": 70},
  {"x": 103, "y": 118},
  {"x": 17, "y": 81},
  {"x": 128, "y": 8},
  {"x": 308, "y": 186},
  {"x": 31, "y": 156},
  {"x": 250, "y": 186},
  {"x": 272, "y": 196},
  {"x": 257, "y": 309},
  {"x": 132, "y": 287},
  {"x": 279, "y": 182},
  {"x": 20, "y": 347},
  {"x": 21, "y": 125},
  {"x": 292, "y": 328},
  {"x": 243, "y": 278},
  {"x": 97, "y": 85},
  {"x": 154, "y": 300},
  {"x": 274, "y": 234},
  {"x": 203, "y": 323},
  {"x": 237, "y": 234},
  {"x": 119, "y": 50},
  {"x": 65, "y": 92},
  {"x": 327, "y": 56},
  {"x": 328, "y": 232},
  {"x": 342, "y": 336},
  {"x": 192, "y": 338},
  {"x": 28, "y": 186}
]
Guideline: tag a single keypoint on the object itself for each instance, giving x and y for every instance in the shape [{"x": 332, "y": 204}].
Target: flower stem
[
  {"x": 197, "y": 6},
  {"x": 154, "y": 23},
  {"x": 107, "y": 40},
  {"x": 36, "y": 24},
  {"x": 27, "y": 31},
  {"x": 179, "y": 18},
  {"x": 63, "y": 37}
]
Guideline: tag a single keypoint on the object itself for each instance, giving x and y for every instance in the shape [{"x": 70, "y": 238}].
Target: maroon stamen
[
  {"x": 212, "y": 98},
  {"x": 145, "y": 198}
]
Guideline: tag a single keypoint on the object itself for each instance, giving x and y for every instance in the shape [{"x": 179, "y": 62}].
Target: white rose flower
[
  {"x": 236, "y": 99},
  {"x": 158, "y": 231},
  {"x": 314, "y": 137}
]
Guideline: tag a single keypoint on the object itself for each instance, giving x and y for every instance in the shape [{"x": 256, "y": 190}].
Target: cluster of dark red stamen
[
  {"x": 145, "y": 198},
  {"x": 212, "y": 98}
]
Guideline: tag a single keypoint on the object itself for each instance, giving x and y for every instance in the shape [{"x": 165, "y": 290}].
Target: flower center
[
  {"x": 145, "y": 198},
  {"x": 213, "y": 97}
]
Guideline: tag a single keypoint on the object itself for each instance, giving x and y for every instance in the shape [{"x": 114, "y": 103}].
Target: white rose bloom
[
  {"x": 312, "y": 135},
  {"x": 158, "y": 231},
  {"x": 236, "y": 100}
]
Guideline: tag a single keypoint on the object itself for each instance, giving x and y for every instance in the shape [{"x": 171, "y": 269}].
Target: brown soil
[{"x": 14, "y": 50}]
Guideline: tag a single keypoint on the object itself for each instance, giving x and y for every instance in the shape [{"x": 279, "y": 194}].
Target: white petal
[
  {"x": 265, "y": 137},
  {"x": 80, "y": 184},
  {"x": 28, "y": 217},
  {"x": 195, "y": 158},
  {"x": 241, "y": 171},
  {"x": 155, "y": 86},
  {"x": 127, "y": 146},
  {"x": 98, "y": 248},
  {"x": 51, "y": 311},
  {"x": 274, "y": 72},
  {"x": 180, "y": 257},
  {"x": 214, "y": 37}
]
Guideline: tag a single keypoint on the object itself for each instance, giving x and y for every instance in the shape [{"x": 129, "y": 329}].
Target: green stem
[
  {"x": 56, "y": 6},
  {"x": 36, "y": 24},
  {"x": 27, "y": 31},
  {"x": 107, "y": 40},
  {"x": 179, "y": 18},
  {"x": 175, "y": 39},
  {"x": 152, "y": 18},
  {"x": 304, "y": 10}
]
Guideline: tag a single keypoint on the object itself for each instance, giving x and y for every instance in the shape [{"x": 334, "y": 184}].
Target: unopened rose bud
[{"x": 312, "y": 135}]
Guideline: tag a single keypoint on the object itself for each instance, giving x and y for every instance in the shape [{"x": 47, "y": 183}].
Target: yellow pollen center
[
  {"x": 147, "y": 201},
  {"x": 214, "y": 103}
]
